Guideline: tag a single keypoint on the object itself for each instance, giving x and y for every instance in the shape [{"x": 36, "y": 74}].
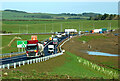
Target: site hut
[{"x": 104, "y": 30}]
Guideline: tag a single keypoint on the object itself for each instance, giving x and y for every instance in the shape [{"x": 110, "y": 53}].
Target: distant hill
[{"x": 22, "y": 15}]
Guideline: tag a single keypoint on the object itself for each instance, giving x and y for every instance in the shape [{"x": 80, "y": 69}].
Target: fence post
[
  {"x": 8, "y": 66},
  {"x": 0, "y": 67},
  {"x": 33, "y": 60},
  {"x": 48, "y": 58},
  {"x": 36, "y": 60},
  {"x": 39, "y": 59},
  {"x": 19, "y": 64},
  {"x": 43, "y": 59},
  {"x": 14, "y": 65},
  {"x": 28, "y": 62},
  {"x": 23, "y": 62},
  {"x": 3, "y": 66}
]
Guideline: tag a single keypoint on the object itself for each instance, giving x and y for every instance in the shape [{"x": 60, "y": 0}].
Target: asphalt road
[{"x": 24, "y": 57}]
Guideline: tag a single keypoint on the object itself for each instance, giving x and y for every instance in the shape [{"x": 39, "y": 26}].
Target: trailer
[
  {"x": 97, "y": 30},
  {"x": 70, "y": 30}
]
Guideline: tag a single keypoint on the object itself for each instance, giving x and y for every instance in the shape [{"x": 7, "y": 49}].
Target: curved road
[{"x": 24, "y": 57}]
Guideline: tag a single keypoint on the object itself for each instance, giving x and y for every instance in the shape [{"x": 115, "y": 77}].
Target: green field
[
  {"x": 57, "y": 68},
  {"x": 56, "y": 25},
  {"x": 48, "y": 26},
  {"x": 88, "y": 38},
  {"x": 13, "y": 48}
]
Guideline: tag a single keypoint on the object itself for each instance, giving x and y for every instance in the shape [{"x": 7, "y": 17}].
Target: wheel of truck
[{"x": 43, "y": 54}]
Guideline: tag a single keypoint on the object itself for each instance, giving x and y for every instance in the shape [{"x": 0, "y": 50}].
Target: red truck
[{"x": 34, "y": 48}]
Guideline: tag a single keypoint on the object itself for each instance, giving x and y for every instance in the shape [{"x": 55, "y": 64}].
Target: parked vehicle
[
  {"x": 34, "y": 48},
  {"x": 50, "y": 48}
]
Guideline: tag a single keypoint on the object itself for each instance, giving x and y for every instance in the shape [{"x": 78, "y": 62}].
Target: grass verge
[{"x": 66, "y": 66}]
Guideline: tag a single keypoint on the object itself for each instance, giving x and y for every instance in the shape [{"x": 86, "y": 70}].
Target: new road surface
[{"x": 24, "y": 57}]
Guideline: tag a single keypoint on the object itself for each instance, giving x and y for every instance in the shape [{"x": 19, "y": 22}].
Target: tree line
[{"x": 105, "y": 17}]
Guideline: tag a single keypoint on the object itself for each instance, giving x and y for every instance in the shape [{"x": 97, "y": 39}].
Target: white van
[{"x": 50, "y": 48}]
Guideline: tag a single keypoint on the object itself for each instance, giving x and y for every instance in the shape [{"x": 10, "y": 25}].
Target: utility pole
[
  {"x": 61, "y": 27},
  {"x": 79, "y": 30},
  {"x": 27, "y": 28},
  {"x": 19, "y": 28},
  {"x": 110, "y": 26},
  {"x": 52, "y": 28},
  {"x": 45, "y": 28},
  {"x": 93, "y": 26}
]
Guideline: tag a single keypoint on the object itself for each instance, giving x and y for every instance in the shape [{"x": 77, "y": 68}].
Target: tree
[
  {"x": 104, "y": 17},
  {"x": 111, "y": 17},
  {"x": 91, "y": 18}
]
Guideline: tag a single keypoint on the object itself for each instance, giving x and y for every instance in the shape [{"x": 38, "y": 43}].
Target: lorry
[
  {"x": 70, "y": 30},
  {"x": 50, "y": 48},
  {"x": 34, "y": 48},
  {"x": 63, "y": 34},
  {"x": 55, "y": 40},
  {"x": 59, "y": 35}
]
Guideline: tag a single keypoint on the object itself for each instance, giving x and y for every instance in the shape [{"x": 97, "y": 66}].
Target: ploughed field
[{"x": 107, "y": 43}]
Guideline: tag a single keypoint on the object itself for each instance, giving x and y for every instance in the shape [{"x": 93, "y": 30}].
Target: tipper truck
[{"x": 34, "y": 48}]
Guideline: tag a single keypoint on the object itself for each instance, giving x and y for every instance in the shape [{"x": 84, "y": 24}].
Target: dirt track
[{"x": 109, "y": 45}]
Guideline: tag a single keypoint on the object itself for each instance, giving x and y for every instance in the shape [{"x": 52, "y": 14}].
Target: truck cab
[
  {"x": 34, "y": 49},
  {"x": 50, "y": 48},
  {"x": 55, "y": 40},
  {"x": 59, "y": 35}
]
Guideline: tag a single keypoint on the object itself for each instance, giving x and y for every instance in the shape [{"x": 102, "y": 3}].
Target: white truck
[
  {"x": 70, "y": 30},
  {"x": 34, "y": 49},
  {"x": 50, "y": 48},
  {"x": 63, "y": 34},
  {"x": 59, "y": 35},
  {"x": 97, "y": 30}
]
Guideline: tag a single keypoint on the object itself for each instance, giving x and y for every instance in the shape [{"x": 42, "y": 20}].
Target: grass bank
[{"x": 66, "y": 66}]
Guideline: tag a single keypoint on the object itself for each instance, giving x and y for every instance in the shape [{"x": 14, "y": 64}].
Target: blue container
[
  {"x": 100, "y": 32},
  {"x": 104, "y": 29},
  {"x": 86, "y": 31}
]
